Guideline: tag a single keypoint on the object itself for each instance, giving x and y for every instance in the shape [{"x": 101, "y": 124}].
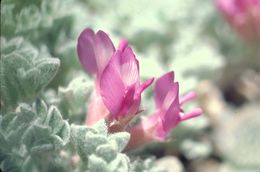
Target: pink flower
[
  {"x": 243, "y": 16},
  {"x": 168, "y": 112},
  {"x": 117, "y": 94}
]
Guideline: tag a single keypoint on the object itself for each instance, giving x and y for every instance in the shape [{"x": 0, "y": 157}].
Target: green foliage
[
  {"x": 24, "y": 71},
  {"x": 32, "y": 19},
  {"x": 73, "y": 98},
  {"x": 31, "y": 134},
  {"x": 100, "y": 150}
]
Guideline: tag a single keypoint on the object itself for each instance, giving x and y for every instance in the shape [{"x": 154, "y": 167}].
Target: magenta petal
[
  {"x": 196, "y": 112},
  {"x": 146, "y": 84},
  {"x": 104, "y": 50},
  {"x": 171, "y": 117},
  {"x": 94, "y": 50},
  {"x": 129, "y": 104},
  {"x": 129, "y": 67},
  {"x": 188, "y": 97},
  {"x": 86, "y": 51},
  {"x": 111, "y": 86},
  {"x": 160, "y": 133},
  {"x": 119, "y": 82},
  {"x": 162, "y": 85},
  {"x": 123, "y": 44}
]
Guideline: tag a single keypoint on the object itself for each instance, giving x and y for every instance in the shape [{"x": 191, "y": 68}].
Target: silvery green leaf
[
  {"x": 37, "y": 135},
  {"x": 107, "y": 151},
  {"x": 93, "y": 141},
  {"x": 64, "y": 133},
  {"x": 3, "y": 141},
  {"x": 48, "y": 67},
  {"x": 78, "y": 134},
  {"x": 41, "y": 109},
  {"x": 25, "y": 18},
  {"x": 9, "y": 46},
  {"x": 42, "y": 147},
  {"x": 54, "y": 119},
  {"x": 120, "y": 164},
  {"x": 24, "y": 73},
  {"x": 8, "y": 165},
  {"x": 120, "y": 139},
  {"x": 57, "y": 141},
  {"x": 73, "y": 98},
  {"x": 13, "y": 136},
  {"x": 101, "y": 127},
  {"x": 78, "y": 138},
  {"x": 6, "y": 119},
  {"x": 97, "y": 164}
]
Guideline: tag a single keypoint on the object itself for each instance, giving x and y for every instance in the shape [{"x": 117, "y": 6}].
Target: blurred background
[{"x": 213, "y": 47}]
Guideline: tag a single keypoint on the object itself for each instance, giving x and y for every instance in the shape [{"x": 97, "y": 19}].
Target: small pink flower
[
  {"x": 243, "y": 16},
  {"x": 168, "y": 112},
  {"x": 117, "y": 94}
]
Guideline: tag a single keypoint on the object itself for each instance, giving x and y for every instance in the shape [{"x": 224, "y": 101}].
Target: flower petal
[
  {"x": 196, "y": 112},
  {"x": 172, "y": 117},
  {"x": 96, "y": 110},
  {"x": 144, "y": 85},
  {"x": 129, "y": 67},
  {"x": 111, "y": 86},
  {"x": 162, "y": 85},
  {"x": 86, "y": 51},
  {"x": 129, "y": 105},
  {"x": 94, "y": 50},
  {"x": 188, "y": 97},
  {"x": 104, "y": 50}
]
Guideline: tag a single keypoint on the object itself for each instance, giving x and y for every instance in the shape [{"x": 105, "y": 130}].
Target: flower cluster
[
  {"x": 118, "y": 90},
  {"x": 243, "y": 16}
]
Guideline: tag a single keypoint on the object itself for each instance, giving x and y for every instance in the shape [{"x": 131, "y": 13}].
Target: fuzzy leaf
[
  {"x": 36, "y": 137},
  {"x": 93, "y": 141},
  {"x": 120, "y": 163},
  {"x": 97, "y": 164},
  {"x": 78, "y": 138},
  {"x": 120, "y": 139},
  {"x": 24, "y": 73},
  {"x": 101, "y": 127},
  {"x": 74, "y": 96},
  {"x": 64, "y": 133},
  {"x": 57, "y": 141},
  {"x": 54, "y": 120},
  {"x": 41, "y": 109},
  {"x": 107, "y": 152}
]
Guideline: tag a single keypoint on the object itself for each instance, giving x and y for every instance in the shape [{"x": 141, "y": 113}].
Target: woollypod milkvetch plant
[
  {"x": 117, "y": 94},
  {"x": 56, "y": 117}
]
